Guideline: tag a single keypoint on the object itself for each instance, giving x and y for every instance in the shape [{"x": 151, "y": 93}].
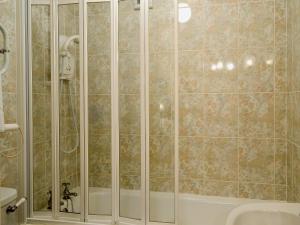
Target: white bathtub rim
[
  {"x": 283, "y": 207},
  {"x": 184, "y": 196}
]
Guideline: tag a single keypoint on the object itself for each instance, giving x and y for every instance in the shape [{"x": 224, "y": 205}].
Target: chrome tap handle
[{"x": 3, "y": 51}]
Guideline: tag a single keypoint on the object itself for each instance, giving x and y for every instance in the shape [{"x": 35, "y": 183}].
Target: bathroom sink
[{"x": 7, "y": 195}]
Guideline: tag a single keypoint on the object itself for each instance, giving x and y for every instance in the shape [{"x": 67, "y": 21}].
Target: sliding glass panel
[
  {"x": 161, "y": 110},
  {"x": 69, "y": 105},
  {"x": 99, "y": 106},
  {"x": 41, "y": 107},
  {"x": 129, "y": 110}
]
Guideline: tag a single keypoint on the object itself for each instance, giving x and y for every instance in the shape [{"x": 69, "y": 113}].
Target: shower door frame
[
  {"x": 55, "y": 214},
  {"x": 84, "y": 217}
]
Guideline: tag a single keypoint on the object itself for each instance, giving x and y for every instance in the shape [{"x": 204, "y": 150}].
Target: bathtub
[
  {"x": 193, "y": 209},
  {"x": 266, "y": 214}
]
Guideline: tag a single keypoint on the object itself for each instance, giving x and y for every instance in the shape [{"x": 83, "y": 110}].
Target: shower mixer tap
[
  {"x": 66, "y": 193},
  {"x": 3, "y": 51}
]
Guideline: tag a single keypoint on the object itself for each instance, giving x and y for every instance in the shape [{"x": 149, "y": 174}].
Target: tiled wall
[
  {"x": 232, "y": 122},
  {"x": 293, "y": 136},
  {"x": 233, "y": 96},
  {"x": 10, "y": 152}
]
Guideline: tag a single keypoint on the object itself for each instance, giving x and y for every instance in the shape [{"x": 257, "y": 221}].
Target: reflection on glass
[{"x": 184, "y": 12}]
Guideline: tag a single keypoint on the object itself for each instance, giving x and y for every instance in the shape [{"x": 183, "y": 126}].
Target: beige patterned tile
[
  {"x": 219, "y": 188},
  {"x": 296, "y": 119},
  {"x": 191, "y": 155},
  {"x": 221, "y": 115},
  {"x": 280, "y": 161},
  {"x": 221, "y": 25},
  {"x": 296, "y": 20},
  {"x": 290, "y": 194},
  {"x": 256, "y": 160},
  {"x": 256, "y": 115},
  {"x": 208, "y": 187},
  {"x": 162, "y": 184},
  {"x": 9, "y": 177},
  {"x": 129, "y": 114},
  {"x": 256, "y": 70},
  {"x": 130, "y": 182},
  {"x": 191, "y": 34},
  {"x": 161, "y": 156},
  {"x": 295, "y": 66},
  {"x": 99, "y": 8},
  {"x": 296, "y": 168},
  {"x": 39, "y": 168},
  {"x": 280, "y": 115},
  {"x": 191, "y": 115},
  {"x": 129, "y": 31},
  {"x": 189, "y": 185},
  {"x": 220, "y": 71},
  {"x": 290, "y": 115},
  {"x": 162, "y": 5},
  {"x": 290, "y": 149},
  {"x": 8, "y": 140},
  {"x": 126, "y": 6},
  {"x": 38, "y": 121},
  {"x": 281, "y": 79},
  {"x": 161, "y": 115},
  {"x": 281, "y": 192},
  {"x": 214, "y": 158},
  {"x": 100, "y": 113},
  {"x": 129, "y": 73},
  {"x": 161, "y": 30},
  {"x": 256, "y": 191},
  {"x": 161, "y": 73},
  {"x": 130, "y": 151},
  {"x": 256, "y": 24},
  {"x": 99, "y": 74},
  {"x": 190, "y": 71},
  {"x": 281, "y": 22},
  {"x": 221, "y": 157}
]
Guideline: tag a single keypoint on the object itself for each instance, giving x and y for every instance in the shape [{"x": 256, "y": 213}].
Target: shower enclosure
[
  {"x": 135, "y": 105},
  {"x": 103, "y": 130}
]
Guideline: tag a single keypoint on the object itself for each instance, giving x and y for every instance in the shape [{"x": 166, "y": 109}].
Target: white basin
[
  {"x": 265, "y": 213},
  {"x": 7, "y": 195}
]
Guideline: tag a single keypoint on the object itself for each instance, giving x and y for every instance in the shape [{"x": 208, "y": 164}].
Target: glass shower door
[
  {"x": 161, "y": 105},
  {"x": 99, "y": 108},
  {"x": 69, "y": 107},
  {"x": 130, "y": 105},
  {"x": 41, "y": 106}
]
